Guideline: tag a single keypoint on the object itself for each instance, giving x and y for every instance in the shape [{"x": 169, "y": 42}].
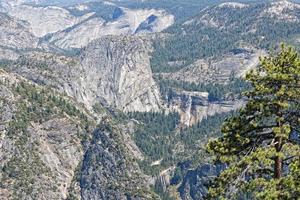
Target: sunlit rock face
[
  {"x": 113, "y": 71},
  {"x": 116, "y": 71},
  {"x": 66, "y": 29}
]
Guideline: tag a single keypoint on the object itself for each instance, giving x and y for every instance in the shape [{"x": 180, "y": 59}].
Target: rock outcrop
[
  {"x": 45, "y": 20},
  {"x": 219, "y": 70},
  {"x": 194, "y": 184},
  {"x": 193, "y": 107},
  {"x": 108, "y": 173},
  {"x": 118, "y": 71},
  {"x": 112, "y": 71},
  {"x": 16, "y": 34}
]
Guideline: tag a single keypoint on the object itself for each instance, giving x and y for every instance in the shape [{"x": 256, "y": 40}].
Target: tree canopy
[{"x": 260, "y": 146}]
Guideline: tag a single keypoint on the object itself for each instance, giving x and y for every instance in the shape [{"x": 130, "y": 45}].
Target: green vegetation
[
  {"x": 33, "y": 104},
  {"x": 155, "y": 133},
  {"x": 189, "y": 42},
  {"x": 180, "y": 9},
  {"x": 160, "y": 137},
  {"x": 39, "y": 105},
  {"x": 261, "y": 145},
  {"x": 217, "y": 92}
]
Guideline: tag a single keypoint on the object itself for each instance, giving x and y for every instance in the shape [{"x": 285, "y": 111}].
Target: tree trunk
[{"x": 278, "y": 160}]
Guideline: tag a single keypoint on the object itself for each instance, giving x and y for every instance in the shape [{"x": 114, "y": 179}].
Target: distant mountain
[
  {"x": 219, "y": 29},
  {"x": 15, "y": 36},
  {"x": 180, "y": 9},
  {"x": 123, "y": 21},
  {"x": 76, "y": 26}
]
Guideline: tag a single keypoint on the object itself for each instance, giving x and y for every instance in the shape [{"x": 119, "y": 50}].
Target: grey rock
[
  {"x": 194, "y": 184},
  {"x": 112, "y": 71},
  {"x": 106, "y": 172},
  {"x": 16, "y": 34},
  {"x": 193, "y": 107},
  {"x": 219, "y": 70}
]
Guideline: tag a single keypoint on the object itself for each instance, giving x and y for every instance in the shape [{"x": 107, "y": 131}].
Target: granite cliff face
[
  {"x": 194, "y": 185},
  {"x": 109, "y": 170},
  {"x": 120, "y": 72},
  {"x": 112, "y": 71}
]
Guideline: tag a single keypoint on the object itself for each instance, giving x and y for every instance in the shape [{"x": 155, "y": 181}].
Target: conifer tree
[{"x": 260, "y": 146}]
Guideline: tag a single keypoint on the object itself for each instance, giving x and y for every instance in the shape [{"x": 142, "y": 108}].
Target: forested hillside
[
  {"x": 224, "y": 30},
  {"x": 219, "y": 29},
  {"x": 50, "y": 144},
  {"x": 181, "y": 9},
  {"x": 260, "y": 145}
]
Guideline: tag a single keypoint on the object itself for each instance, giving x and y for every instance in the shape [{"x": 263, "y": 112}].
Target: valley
[{"x": 118, "y": 99}]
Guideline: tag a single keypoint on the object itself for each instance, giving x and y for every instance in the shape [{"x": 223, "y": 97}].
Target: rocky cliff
[
  {"x": 51, "y": 148},
  {"x": 109, "y": 169},
  {"x": 119, "y": 71},
  {"x": 193, "y": 107},
  {"x": 40, "y": 140},
  {"x": 194, "y": 184},
  {"x": 113, "y": 71}
]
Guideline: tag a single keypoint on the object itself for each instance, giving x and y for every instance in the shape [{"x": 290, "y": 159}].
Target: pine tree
[{"x": 260, "y": 146}]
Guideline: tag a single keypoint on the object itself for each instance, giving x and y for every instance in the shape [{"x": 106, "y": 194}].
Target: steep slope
[
  {"x": 109, "y": 169},
  {"x": 193, "y": 106},
  {"x": 218, "y": 30},
  {"x": 194, "y": 184},
  {"x": 113, "y": 71},
  {"x": 51, "y": 148},
  {"x": 125, "y": 76},
  {"x": 40, "y": 140}
]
